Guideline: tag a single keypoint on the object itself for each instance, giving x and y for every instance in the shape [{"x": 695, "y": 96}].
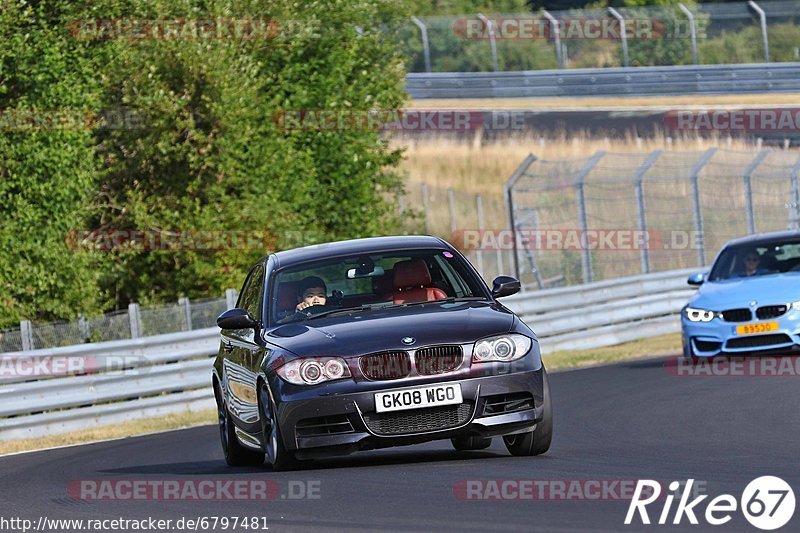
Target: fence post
[
  {"x": 763, "y": 17},
  {"x": 425, "y": 202},
  {"x": 479, "y": 209},
  {"x": 426, "y": 49},
  {"x": 640, "y": 207},
  {"x": 230, "y": 298},
  {"x": 83, "y": 327},
  {"x": 556, "y": 37},
  {"x": 452, "y": 204},
  {"x": 26, "y": 335},
  {"x": 623, "y": 35},
  {"x": 136, "y": 320},
  {"x": 748, "y": 190},
  {"x": 583, "y": 220},
  {"x": 694, "y": 174},
  {"x": 509, "y": 186},
  {"x": 187, "y": 312},
  {"x": 692, "y": 30},
  {"x": 794, "y": 208},
  {"x": 492, "y": 42}
]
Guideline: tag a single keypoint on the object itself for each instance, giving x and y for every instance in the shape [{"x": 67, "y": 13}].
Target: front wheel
[
  {"x": 235, "y": 453},
  {"x": 276, "y": 454},
  {"x": 535, "y": 442}
]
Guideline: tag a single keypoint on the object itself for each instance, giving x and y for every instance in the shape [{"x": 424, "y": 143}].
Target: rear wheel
[
  {"x": 535, "y": 442},
  {"x": 235, "y": 453},
  {"x": 471, "y": 442},
  {"x": 276, "y": 454}
]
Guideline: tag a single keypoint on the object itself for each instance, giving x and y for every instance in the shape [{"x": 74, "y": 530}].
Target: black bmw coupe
[{"x": 370, "y": 343}]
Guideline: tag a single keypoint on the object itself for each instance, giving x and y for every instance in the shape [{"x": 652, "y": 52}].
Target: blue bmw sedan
[{"x": 749, "y": 302}]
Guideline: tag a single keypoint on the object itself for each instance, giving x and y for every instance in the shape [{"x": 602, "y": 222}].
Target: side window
[{"x": 250, "y": 299}]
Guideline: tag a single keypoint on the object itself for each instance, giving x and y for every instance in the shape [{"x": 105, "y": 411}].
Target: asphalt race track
[{"x": 623, "y": 422}]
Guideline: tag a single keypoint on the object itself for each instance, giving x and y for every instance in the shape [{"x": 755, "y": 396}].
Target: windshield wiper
[
  {"x": 343, "y": 310},
  {"x": 449, "y": 299}
]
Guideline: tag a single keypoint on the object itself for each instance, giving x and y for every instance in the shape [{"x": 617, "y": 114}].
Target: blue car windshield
[
  {"x": 757, "y": 259},
  {"x": 368, "y": 281}
]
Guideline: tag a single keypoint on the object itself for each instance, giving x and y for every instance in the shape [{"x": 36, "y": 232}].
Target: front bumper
[
  {"x": 473, "y": 417},
  {"x": 706, "y": 339}
]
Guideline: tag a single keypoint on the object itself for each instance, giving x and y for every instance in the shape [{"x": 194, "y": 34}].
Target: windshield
[
  {"x": 370, "y": 281},
  {"x": 760, "y": 259}
]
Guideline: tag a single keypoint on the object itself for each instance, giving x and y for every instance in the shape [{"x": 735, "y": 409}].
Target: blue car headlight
[
  {"x": 699, "y": 315},
  {"x": 501, "y": 348}
]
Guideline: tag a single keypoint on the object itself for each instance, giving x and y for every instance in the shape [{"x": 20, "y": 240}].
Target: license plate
[
  {"x": 418, "y": 397},
  {"x": 758, "y": 327}
]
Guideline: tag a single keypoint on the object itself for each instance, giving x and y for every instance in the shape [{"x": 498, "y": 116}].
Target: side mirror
[
  {"x": 696, "y": 279},
  {"x": 505, "y": 286},
  {"x": 236, "y": 319}
]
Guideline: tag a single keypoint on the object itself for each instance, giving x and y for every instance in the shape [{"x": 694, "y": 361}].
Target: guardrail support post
[
  {"x": 763, "y": 17},
  {"x": 641, "y": 214},
  {"x": 26, "y": 335},
  {"x": 583, "y": 219},
  {"x": 187, "y": 312},
  {"x": 700, "y": 237},
  {"x": 230, "y": 298},
  {"x": 692, "y": 30},
  {"x": 748, "y": 190},
  {"x": 556, "y": 37},
  {"x": 136, "y": 320},
  {"x": 509, "y": 190},
  {"x": 492, "y": 42},
  {"x": 794, "y": 208},
  {"x": 426, "y": 49},
  {"x": 623, "y": 35},
  {"x": 479, "y": 209}
]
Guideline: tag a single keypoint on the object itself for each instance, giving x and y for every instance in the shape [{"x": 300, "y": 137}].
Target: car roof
[
  {"x": 764, "y": 238},
  {"x": 357, "y": 246}
]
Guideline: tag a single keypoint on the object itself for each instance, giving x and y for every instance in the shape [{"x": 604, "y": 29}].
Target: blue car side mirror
[{"x": 697, "y": 278}]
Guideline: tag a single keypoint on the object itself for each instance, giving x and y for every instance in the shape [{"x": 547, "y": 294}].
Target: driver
[{"x": 313, "y": 291}]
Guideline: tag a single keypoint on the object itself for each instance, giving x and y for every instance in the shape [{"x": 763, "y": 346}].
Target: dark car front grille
[
  {"x": 419, "y": 420},
  {"x": 507, "y": 403},
  {"x": 385, "y": 365},
  {"x": 737, "y": 315},
  {"x": 437, "y": 359},
  {"x": 324, "y": 425},
  {"x": 757, "y": 341},
  {"x": 771, "y": 311}
]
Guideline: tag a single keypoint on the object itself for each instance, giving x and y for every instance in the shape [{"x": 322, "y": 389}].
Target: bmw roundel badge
[{"x": 408, "y": 340}]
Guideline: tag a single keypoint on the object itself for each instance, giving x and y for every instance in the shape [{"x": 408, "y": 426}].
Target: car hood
[
  {"x": 371, "y": 331},
  {"x": 739, "y": 292}
]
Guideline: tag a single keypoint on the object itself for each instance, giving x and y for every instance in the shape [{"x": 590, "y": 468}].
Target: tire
[
  {"x": 471, "y": 442},
  {"x": 534, "y": 442},
  {"x": 276, "y": 455},
  {"x": 235, "y": 453}
]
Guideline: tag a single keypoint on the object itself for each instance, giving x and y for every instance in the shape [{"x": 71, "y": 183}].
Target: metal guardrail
[
  {"x": 634, "y": 81},
  {"x": 154, "y": 376}
]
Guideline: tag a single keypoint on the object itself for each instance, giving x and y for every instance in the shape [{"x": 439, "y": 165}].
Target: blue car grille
[
  {"x": 771, "y": 311},
  {"x": 757, "y": 341},
  {"x": 737, "y": 315}
]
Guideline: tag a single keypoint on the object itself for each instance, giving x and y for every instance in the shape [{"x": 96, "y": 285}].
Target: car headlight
[
  {"x": 699, "y": 315},
  {"x": 501, "y": 348},
  {"x": 313, "y": 370}
]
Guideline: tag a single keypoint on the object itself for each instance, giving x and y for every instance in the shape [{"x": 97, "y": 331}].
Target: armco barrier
[
  {"x": 632, "y": 81},
  {"x": 154, "y": 376}
]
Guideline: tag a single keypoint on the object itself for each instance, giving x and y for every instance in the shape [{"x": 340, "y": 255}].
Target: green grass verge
[{"x": 639, "y": 349}]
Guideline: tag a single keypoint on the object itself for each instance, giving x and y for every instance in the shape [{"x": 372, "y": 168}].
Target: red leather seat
[{"x": 412, "y": 283}]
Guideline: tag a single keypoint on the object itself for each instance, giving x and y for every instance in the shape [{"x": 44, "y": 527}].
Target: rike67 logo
[{"x": 767, "y": 503}]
